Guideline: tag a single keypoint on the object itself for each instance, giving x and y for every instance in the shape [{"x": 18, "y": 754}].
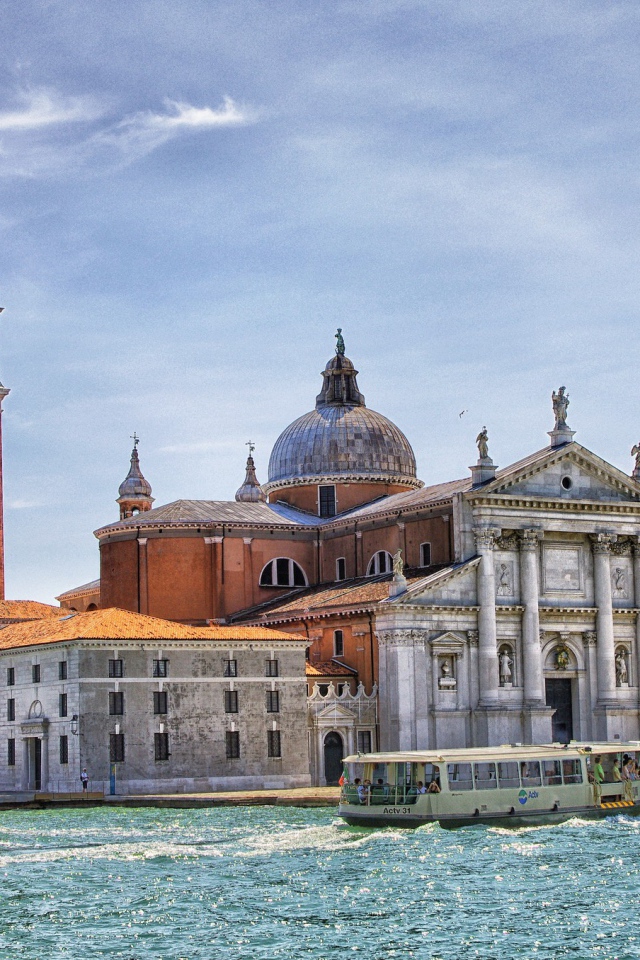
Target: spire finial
[
  {"x": 250, "y": 491},
  {"x": 251, "y": 446},
  {"x": 340, "y": 348},
  {"x": 135, "y": 438}
]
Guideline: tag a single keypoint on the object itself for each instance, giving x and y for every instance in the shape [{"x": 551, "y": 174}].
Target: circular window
[{"x": 567, "y": 483}]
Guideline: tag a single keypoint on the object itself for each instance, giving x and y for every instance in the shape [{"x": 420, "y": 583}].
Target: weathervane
[
  {"x": 135, "y": 438},
  {"x": 251, "y": 446}
]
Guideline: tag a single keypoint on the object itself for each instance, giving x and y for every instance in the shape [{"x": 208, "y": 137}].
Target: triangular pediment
[
  {"x": 452, "y": 586},
  {"x": 570, "y": 472},
  {"x": 336, "y": 713}
]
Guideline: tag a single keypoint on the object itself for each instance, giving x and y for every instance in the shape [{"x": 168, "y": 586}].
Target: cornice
[
  {"x": 399, "y": 479},
  {"x": 531, "y": 502}
]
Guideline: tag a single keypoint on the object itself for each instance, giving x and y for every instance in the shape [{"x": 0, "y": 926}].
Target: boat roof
[{"x": 507, "y": 751}]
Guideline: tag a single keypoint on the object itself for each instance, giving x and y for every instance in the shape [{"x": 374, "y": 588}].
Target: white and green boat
[{"x": 511, "y": 785}]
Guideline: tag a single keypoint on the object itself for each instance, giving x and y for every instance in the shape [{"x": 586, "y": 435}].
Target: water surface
[{"x": 240, "y": 883}]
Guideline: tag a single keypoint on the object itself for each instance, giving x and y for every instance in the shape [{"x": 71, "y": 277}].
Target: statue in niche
[
  {"x": 398, "y": 565},
  {"x": 340, "y": 348},
  {"x": 504, "y": 581},
  {"x": 446, "y": 680},
  {"x": 560, "y": 402},
  {"x": 622, "y": 674},
  {"x": 505, "y": 668},
  {"x": 483, "y": 444},
  {"x": 619, "y": 578},
  {"x": 562, "y": 658}
]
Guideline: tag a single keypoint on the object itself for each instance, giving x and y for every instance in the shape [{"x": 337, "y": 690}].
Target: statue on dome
[
  {"x": 339, "y": 343},
  {"x": 483, "y": 444},
  {"x": 560, "y": 402}
]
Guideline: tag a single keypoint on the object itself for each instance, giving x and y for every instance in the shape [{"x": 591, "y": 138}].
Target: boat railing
[{"x": 379, "y": 795}]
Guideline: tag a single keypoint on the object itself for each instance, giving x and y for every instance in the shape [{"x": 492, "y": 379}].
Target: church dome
[
  {"x": 134, "y": 484},
  {"x": 341, "y": 440}
]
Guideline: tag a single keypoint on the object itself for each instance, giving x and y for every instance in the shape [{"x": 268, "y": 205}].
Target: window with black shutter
[
  {"x": 273, "y": 701},
  {"x": 116, "y": 668},
  {"x": 64, "y": 749},
  {"x": 11, "y": 709},
  {"x": 230, "y": 668},
  {"x": 273, "y": 743},
  {"x": 11, "y": 676},
  {"x": 116, "y": 704},
  {"x": 62, "y": 670},
  {"x": 271, "y": 668},
  {"x": 62, "y": 705},
  {"x": 161, "y": 746},
  {"x": 11, "y": 752},
  {"x": 161, "y": 668},
  {"x": 232, "y": 743},
  {"x": 116, "y": 747},
  {"x": 35, "y": 673},
  {"x": 230, "y": 701},
  {"x": 160, "y": 701}
]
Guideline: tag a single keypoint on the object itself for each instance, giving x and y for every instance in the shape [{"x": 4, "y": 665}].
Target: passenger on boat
[
  {"x": 363, "y": 793},
  {"x": 421, "y": 787},
  {"x": 617, "y": 776},
  {"x": 598, "y": 772},
  {"x": 433, "y": 787},
  {"x": 380, "y": 791}
]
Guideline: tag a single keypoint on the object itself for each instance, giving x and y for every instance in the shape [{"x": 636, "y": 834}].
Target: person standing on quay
[{"x": 84, "y": 778}]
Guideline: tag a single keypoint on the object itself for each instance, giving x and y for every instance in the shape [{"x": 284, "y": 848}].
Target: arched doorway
[{"x": 333, "y": 754}]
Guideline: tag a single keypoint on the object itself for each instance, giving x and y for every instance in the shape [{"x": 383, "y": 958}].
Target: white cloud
[
  {"x": 45, "y": 108},
  {"x": 143, "y": 132},
  {"x": 24, "y": 504}
]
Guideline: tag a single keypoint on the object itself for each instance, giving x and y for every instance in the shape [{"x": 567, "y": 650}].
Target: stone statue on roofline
[
  {"x": 339, "y": 343},
  {"x": 560, "y": 401},
  {"x": 398, "y": 565},
  {"x": 635, "y": 452},
  {"x": 483, "y": 444}
]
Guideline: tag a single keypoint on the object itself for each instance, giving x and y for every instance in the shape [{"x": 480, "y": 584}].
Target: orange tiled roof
[
  {"x": 115, "y": 624},
  {"x": 27, "y": 610},
  {"x": 329, "y": 668}
]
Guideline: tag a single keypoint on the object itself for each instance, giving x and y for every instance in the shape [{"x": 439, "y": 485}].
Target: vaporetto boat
[{"x": 511, "y": 785}]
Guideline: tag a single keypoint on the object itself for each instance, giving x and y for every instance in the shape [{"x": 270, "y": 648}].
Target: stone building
[{"x": 161, "y": 706}]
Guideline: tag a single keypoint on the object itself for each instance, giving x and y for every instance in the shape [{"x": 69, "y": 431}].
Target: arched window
[
  {"x": 381, "y": 562},
  {"x": 91, "y": 606},
  {"x": 425, "y": 554},
  {"x": 283, "y": 572}
]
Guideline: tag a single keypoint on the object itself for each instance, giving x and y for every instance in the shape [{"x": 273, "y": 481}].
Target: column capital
[
  {"x": 530, "y": 538},
  {"x": 142, "y": 541},
  {"x": 473, "y": 637},
  {"x": 602, "y": 542},
  {"x": 486, "y": 537},
  {"x": 247, "y": 540},
  {"x": 589, "y": 638}
]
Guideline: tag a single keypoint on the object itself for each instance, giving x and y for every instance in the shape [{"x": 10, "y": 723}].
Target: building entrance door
[
  {"x": 333, "y": 754},
  {"x": 559, "y": 696},
  {"x": 34, "y": 763}
]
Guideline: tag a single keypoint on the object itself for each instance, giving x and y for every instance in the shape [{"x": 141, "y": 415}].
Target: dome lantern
[
  {"x": 134, "y": 491},
  {"x": 250, "y": 491}
]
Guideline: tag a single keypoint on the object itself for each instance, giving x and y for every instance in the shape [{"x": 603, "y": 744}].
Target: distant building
[{"x": 163, "y": 706}]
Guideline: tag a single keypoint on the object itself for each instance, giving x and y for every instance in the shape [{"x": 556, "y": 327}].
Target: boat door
[
  {"x": 559, "y": 696},
  {"x": 333, "y": 754}
]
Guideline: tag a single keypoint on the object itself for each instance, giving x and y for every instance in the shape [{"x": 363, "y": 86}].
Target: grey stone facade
[
  {"x": 193, "y": 730},
  {"x": 533, "y": 634}
]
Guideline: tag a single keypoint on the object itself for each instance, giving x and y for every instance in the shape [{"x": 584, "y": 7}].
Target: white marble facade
[{"x": 532, "y": 634}]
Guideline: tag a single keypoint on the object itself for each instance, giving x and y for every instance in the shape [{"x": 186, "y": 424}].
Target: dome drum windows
[
  {"x": 425, "y": 554},
  {"x": 381, "y": 562},
  {"x": 283, "y": 572}
]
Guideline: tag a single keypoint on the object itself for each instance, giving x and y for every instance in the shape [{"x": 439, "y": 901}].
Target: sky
[{"x": 195, "y": 195}]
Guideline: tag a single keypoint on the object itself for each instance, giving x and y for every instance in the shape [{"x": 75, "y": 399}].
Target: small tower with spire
[
  {"x": 250, "y": 491},
  {"x": 135, "y": 491}
]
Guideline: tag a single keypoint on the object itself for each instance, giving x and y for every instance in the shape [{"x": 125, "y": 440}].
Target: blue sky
[{"x": 195, "y": 195}]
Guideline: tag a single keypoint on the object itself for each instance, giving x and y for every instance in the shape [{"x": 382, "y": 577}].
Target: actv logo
[{"x": 522, "y": 796}]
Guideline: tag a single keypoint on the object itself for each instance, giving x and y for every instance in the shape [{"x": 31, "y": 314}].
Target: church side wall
[{"x": 119, "y": 574}]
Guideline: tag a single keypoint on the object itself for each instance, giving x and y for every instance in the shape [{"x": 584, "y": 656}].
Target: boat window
[
  {"x": 530, "y": 773},
  {"x": 431, "y": 774},
  {"x": 486, "y": 776},
  {"x": 572, "y": 771},
  {"x": 508, "y": 775},
  {"x": 551, "y": 775},
  {"x": 459, "y": 775}
]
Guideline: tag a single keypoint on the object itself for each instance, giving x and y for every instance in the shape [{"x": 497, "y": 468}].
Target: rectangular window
[
  {"x": 425, "y": 554},
  {"x": 486, "y": 776},
  {"x": 116, "y": 668},
  {"x": 508, "y": 774},
  {"x": 62, "y": 670},
  {"x": 35, "y": 673},
  {"x": 159, "y": 701},
  {"x": 11, "y": 709},
  {"x": 64, "y": 749},
  {"x": 551, "y": 773},
  {"x": 232, "y": 743},
  {"x": 11, "y": 752},
  {"x": 161, "y": 745},
  {"x": 230, "y": 668},
  {"x": 62, "y": 705},
  {"x": 11, "y": 676},
  {"x": 327, "y": 497},
  {"x": 364, "y": 741},
  {"x": 271, "y": 668},
  {"x": 273, "y": 743},
  {"x": 572, "y": 771},
  {"x": 116, "y": 747},
  {"x": 341, "y": 568},
  {"x": 530, "y": 773},
  {"x": 459, "y": 775},
  {"x": 231, "y": 701},
  {"x": 338, "y": 643},
  {"x": 116, "y": 704},
  {"x": 273, "y": 701},
  {"x": 161, "y": 668}
]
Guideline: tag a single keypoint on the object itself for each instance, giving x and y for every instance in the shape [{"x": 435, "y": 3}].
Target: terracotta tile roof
[
  {"x": 115, "y": 624},
  {"x": 27, "y": 610},
  {"x": 329, "y": 668},
  {"x": 92, "y": 587}
]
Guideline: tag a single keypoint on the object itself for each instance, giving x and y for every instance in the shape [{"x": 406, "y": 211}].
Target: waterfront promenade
[{"x": 298, "y": 797}]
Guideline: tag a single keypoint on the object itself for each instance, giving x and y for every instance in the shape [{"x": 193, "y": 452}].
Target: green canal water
[{"x": 239, "y": 883}]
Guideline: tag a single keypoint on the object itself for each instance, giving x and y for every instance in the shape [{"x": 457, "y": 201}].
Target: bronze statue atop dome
[{"x": 340, "y": 348}]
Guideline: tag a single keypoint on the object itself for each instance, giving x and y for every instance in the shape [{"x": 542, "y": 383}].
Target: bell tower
[{"x": 135, "y": 491}]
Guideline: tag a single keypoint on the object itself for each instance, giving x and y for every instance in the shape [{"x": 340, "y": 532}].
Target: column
[
  {"x": 589, "y": 644},
  {"x": 487, "y": 635},
  {"x": 143, "y": 591},
  {"x": 248, "y": 573},
  {"x": 605, "y": 653},
  {"x": 529, "y": 593},
  {"x": 636, "y": 598}
]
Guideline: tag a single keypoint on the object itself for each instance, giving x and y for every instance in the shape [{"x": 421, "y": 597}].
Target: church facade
[{"x": 502, "y": 607}]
